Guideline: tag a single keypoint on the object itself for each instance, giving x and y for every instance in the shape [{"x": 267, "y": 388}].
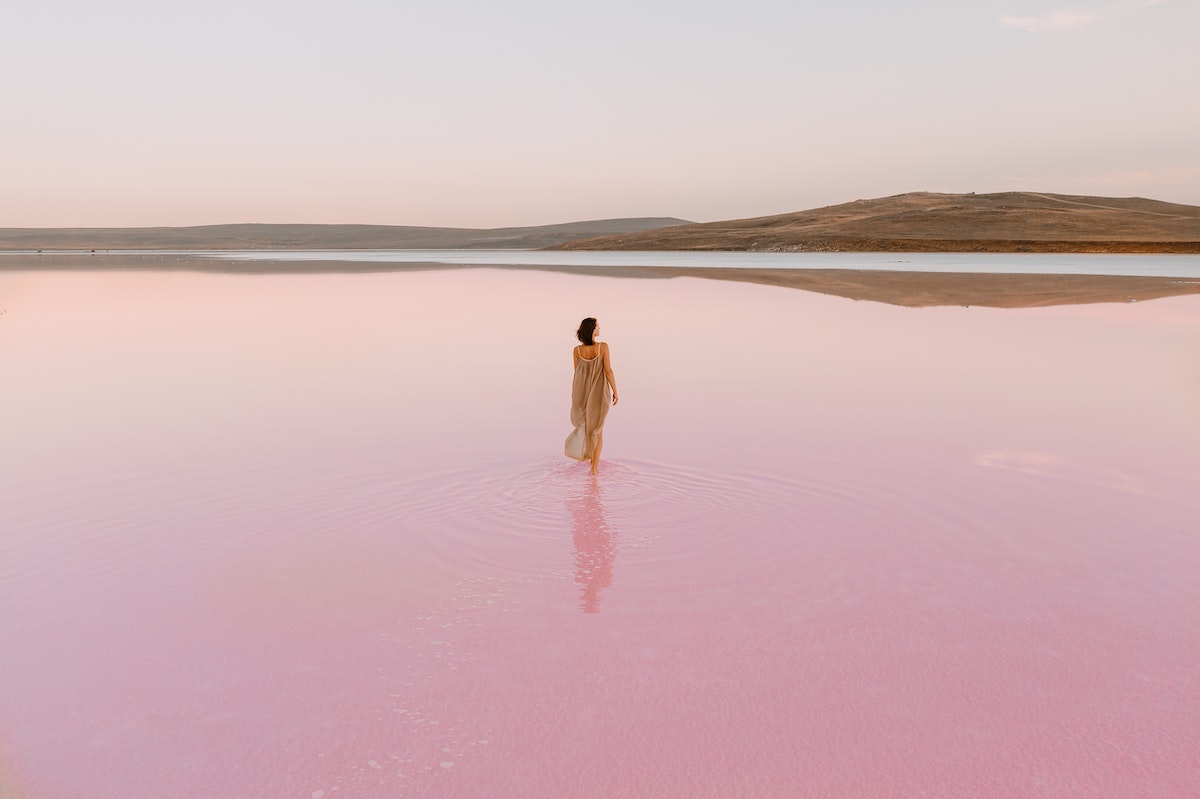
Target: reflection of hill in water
[
  {"x": 914, "y": 289},
  {"x": 919, "y": 289},
  {"x": 922, "y": 289}
]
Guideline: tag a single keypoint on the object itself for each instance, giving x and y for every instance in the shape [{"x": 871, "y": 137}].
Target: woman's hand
[{"x": 616, "y": 399}]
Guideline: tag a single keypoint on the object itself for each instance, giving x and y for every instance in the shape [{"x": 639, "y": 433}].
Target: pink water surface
[{"x": 312, "y": 536}]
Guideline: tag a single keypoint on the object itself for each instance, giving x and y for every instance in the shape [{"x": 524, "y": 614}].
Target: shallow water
[
  {"x": 1160, "y": 265},
  {"x": 313, "y": 536},
  {"x": 1145, "y": 265}
]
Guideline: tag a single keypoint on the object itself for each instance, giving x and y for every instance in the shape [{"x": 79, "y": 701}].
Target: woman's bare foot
[{"x": 596, "y": 454}]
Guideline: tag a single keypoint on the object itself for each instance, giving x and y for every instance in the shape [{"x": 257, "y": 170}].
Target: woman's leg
[{"x": 596, "y": 453}]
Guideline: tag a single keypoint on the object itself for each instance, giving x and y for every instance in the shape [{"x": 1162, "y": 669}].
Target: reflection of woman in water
[
  {"x": 595, "y": 547},
  {"x": 590, "y": 398}
]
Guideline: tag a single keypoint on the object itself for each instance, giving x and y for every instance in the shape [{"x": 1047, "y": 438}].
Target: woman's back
[
  {"x": 593, "y": 391},
  {"x": 588, "y": 352}
]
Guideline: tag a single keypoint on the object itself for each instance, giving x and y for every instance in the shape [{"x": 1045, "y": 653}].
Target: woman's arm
[
  {"x": 608, "y": 371},
  {"x": 574, "y": 358}
]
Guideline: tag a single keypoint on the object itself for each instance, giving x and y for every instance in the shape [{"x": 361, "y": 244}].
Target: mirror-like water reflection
[
  {"x": 595, "y": 544},
  {"x": 312, "y": 535}
]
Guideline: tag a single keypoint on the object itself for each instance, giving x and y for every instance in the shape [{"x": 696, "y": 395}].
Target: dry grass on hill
[
  {"x": 927, "y": 222},
  {"x": 317, "y": 237}
]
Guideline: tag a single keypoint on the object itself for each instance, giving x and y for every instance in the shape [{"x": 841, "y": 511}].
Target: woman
[{"x": 590, "y": 394}]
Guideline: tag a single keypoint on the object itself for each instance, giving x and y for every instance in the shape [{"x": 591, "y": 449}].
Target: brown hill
[
  {"x": 318, "y": 237},
  {"x": 927, "y": 222}
]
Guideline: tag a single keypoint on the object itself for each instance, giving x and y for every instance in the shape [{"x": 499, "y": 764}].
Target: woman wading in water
[{"x": 590, "y": 397}]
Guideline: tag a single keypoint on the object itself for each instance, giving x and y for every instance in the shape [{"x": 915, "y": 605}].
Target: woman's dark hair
[{"x": 587, "y": 329}]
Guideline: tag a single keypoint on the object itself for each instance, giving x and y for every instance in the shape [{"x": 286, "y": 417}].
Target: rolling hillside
[
  {"x": 317, "y": 237},
  {"x": 927, "y": 222}
]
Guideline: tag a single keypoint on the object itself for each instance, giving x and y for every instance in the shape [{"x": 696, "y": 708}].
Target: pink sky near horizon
[{"x": 481, "y": 115}]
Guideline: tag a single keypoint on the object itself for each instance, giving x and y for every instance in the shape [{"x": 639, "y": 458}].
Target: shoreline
[
  {"x": 850, "y": 244},
  {"x": 910, "y": 289}
]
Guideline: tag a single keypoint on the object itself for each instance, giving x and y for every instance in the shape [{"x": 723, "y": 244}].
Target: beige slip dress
[{"x": 590, "y": 401}]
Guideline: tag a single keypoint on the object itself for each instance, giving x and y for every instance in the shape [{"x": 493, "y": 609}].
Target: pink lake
[{"x": 313, "y": 536}]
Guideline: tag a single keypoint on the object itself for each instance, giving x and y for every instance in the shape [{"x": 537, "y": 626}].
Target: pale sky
[{"x": 489, "y": 114}]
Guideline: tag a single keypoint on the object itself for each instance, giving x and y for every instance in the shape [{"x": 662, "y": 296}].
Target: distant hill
[
  {"x": 928, "y": 222},
  {"x": 318, "y": 237}
]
